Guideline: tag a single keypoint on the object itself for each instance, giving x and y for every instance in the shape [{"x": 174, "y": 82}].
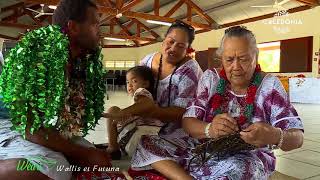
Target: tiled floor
[{"x": 303, "y": 163}]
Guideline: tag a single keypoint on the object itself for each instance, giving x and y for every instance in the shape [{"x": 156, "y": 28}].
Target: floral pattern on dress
[{"x": 70, "y": 120}]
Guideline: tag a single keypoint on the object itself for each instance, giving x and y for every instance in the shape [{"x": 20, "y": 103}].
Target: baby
[{"x": 126, "y": 126}]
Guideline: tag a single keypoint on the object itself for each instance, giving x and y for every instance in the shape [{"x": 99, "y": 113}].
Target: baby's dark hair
[
  {"x": 178, "y": 24},
  {"x": 145, "y": 73}
]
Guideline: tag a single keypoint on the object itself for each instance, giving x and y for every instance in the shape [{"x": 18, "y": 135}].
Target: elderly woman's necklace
[{"x": 218, "y": 97}]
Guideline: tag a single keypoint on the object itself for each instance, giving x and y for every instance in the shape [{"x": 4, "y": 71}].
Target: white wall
[{"x": 1, "y": 43}]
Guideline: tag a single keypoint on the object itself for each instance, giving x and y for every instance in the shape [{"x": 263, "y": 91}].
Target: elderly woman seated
[{"x": 247, "y": 103}]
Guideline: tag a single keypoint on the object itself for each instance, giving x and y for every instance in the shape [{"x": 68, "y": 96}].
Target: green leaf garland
[{"x": 33, "y": 83}]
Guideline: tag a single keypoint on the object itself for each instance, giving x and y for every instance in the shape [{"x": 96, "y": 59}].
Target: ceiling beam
[
  {"x": 131, "y": 14},
  {"x": 131, "y": 4},
  {"x": 108, "y": 10},
  {"x": 130, "y": 24},
  {"x": 110, "y": 3},
  {"x": 189, "y": 13},
  {"x": 309, "y": 2},
  {"x": 156, "y": 7},
  {"x": 200, "y": 12},
  {"x": 102, "y": 2},
  {"x": 111, "y": 28},
  {"x": 174, "y": 8},
  {"x": 128, "y": 37},
  {"x": 124, "y": 28},
  {"x": 8, "y": 37},
  {"x": 106, "y": 19},
  {"x": 12, "y": 7},
  {"x": 117, "y": 46},
  {"x": 138, "y": 30},
  {"x": 119, "y": 4},
  {"x": 161, "y": 18},
  {"x": 126, "y": 7},
  {"x": 18, "y": 11},
  {"x": 50, "y": 19},
  {"x": 17, "y": 25},
  {"x": 154, "y": 34},
  {"x": 47, "y": 2},
  {"x": 13, "y": 17}
]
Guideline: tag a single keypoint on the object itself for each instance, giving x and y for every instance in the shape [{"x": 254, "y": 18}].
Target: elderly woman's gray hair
[{"x": 240, "y": 32}]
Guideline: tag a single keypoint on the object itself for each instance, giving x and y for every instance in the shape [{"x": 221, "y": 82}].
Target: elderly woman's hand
[
  {"x": 223, "y": 124},
  {"x": 260, "y": 134}
]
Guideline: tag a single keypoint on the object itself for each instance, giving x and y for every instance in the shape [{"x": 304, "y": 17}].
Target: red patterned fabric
[
  {"x": 98, "y": 175},
  {"x": 142, "y": 175},
  {"x": 147, "y": 175}
]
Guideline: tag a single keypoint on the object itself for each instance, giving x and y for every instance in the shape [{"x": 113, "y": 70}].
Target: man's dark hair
[
  {"x": 178, "y": 24},
  {"x": 145, "y": 73},
  {"x": 71, "y": 10}
]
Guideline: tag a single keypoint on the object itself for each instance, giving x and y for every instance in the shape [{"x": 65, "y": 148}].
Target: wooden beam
[
  {"x": 127, "y": 37},
  {"x": 110, "y": 3},
  {"x": 161, "y": 18},
  {"x": 50, "y": 19},
  {"x": 8, "y": 37},
  {"x": 118, "y": 46},
  {"x": 138, "y": 30},
  {"x": 149, "y": 43},
  {"x": 189, "y": 13},
  {"x": 130, "y": 14},
  {"x": 111, "y": 28},
  {"x": 200, "y": 12},
  {"x": 293, "y": 10},
  {"x": 12, "y": 7},
  {"x": 106, "y": 19},
  {"x": 33, "y": 6},
  {"x": 310, "y": 2},
  {"x": 266, "y": 16},
  {"x": 18, "y": 11},
  {"x": 130, "y": 24},
  {"x": 16, "y": 25},
  {"x": 126, "y": 31},
  {"x": 14, "y": 16},
  {"x": 102, "y": 2},
  {"x": 156, "y": 7},
  {"x": 174, "y": 8},
  {"x": 108, "y": 10},
  {"x": 154, "y": 34},
  {"x": 47, "y": 2},
  {"x": 129, "y": 5},
  {"x": 119, "y": 4},
  {"x": 202, "y": 31}
]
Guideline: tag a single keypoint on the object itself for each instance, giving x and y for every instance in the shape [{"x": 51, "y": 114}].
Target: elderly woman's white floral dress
[{"x": 271, "y": 106}]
